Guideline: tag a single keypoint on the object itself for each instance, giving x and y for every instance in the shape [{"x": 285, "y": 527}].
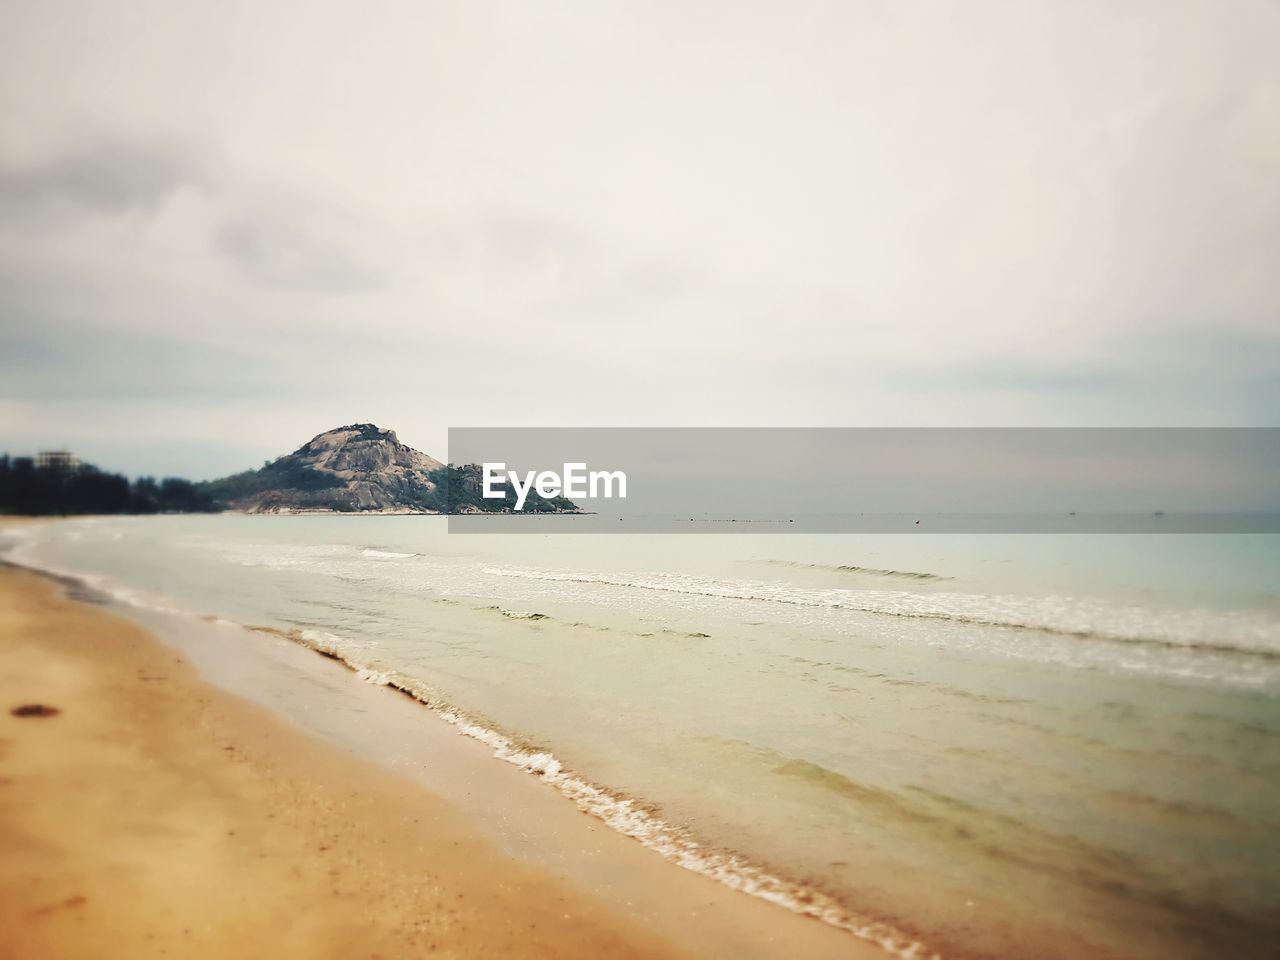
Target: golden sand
[{"x": 153, "y": 815}]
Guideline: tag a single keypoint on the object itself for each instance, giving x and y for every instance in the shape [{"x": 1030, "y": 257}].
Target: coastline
[
  {"x": 154, "y": 813},
  {"x": 512, "y": 861}
]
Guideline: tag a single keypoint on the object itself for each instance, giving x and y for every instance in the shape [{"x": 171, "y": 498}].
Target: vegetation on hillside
[
  {"x": 281, "y": 474},
  {"x": 461, "y": 490}
]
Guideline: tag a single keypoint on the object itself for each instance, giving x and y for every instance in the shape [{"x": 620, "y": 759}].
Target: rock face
[{"x": 356, "y": 468}]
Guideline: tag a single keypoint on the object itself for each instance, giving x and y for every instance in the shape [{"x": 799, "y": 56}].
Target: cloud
[
  {"x": 983, "y": 214},
  {"x": 99, "y": 176},
  {"x": 297, "y": 249}
]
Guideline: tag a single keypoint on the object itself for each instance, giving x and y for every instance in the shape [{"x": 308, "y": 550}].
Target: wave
[
  {"x": 593, "y": 627},
  {"x": 631, "y": 816},
  {"x": 868, "y": 571},
  {"x": 627, "y": 815},
  {"x": 1232, "y": 632},
  {"x": 516, "y": 614}
]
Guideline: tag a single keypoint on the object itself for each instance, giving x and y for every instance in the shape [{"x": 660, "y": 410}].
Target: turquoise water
[{"x": 1006, "y": 745}]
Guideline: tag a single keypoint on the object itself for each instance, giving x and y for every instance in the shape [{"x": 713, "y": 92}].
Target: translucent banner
[{"x": 782, "y": 480}]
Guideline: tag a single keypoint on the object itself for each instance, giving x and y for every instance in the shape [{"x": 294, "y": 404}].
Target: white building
[{"x": 62, "y": 460}]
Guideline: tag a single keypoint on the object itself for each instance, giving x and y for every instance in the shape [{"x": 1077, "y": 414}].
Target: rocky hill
[
  {"x": 358, "y": 467},
  {"x": 362, "y": 468}
]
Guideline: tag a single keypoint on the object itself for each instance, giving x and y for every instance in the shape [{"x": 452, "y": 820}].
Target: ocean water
[{"x": 968, "y": 745}]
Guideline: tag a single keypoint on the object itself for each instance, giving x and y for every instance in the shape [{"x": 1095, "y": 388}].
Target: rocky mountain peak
[
  {"x": 362, "y": 448},
  {"x": 357, "y": 467}
]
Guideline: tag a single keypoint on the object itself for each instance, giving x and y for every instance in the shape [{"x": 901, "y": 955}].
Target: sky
[{"x": 225, "y": 228}]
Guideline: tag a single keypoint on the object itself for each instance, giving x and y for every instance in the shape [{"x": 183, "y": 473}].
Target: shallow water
[{"x": 1073, "y": 734}]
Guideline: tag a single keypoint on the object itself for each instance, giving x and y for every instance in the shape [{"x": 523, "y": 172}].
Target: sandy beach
[
  {"x": 153, "y": 815},
  {"x": 148, "y": 811}
]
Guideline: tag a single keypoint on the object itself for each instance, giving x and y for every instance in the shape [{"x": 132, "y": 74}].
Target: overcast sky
[{"x": 226, "y": 227}]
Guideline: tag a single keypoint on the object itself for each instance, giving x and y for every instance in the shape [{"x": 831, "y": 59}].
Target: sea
[{"x": 954, "y": 744}]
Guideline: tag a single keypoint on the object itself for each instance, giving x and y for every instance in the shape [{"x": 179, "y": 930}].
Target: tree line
[{"x": 34, "y": 490}]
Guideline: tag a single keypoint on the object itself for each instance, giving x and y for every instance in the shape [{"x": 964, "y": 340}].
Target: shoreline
[
  {"x": 154, "y": 813},
  {"x": 531, "y": 828}
]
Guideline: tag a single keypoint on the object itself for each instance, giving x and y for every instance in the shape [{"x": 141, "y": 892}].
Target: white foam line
[
  {"x": 624, "y": 815},
  {"x": 1234, "y": 632}
]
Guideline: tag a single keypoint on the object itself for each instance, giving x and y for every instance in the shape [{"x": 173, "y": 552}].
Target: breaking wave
[
  {"x": 867, "y": 571},
  {"x": 630, "y": 816},
  {"x": 1236, "y": 632}
]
